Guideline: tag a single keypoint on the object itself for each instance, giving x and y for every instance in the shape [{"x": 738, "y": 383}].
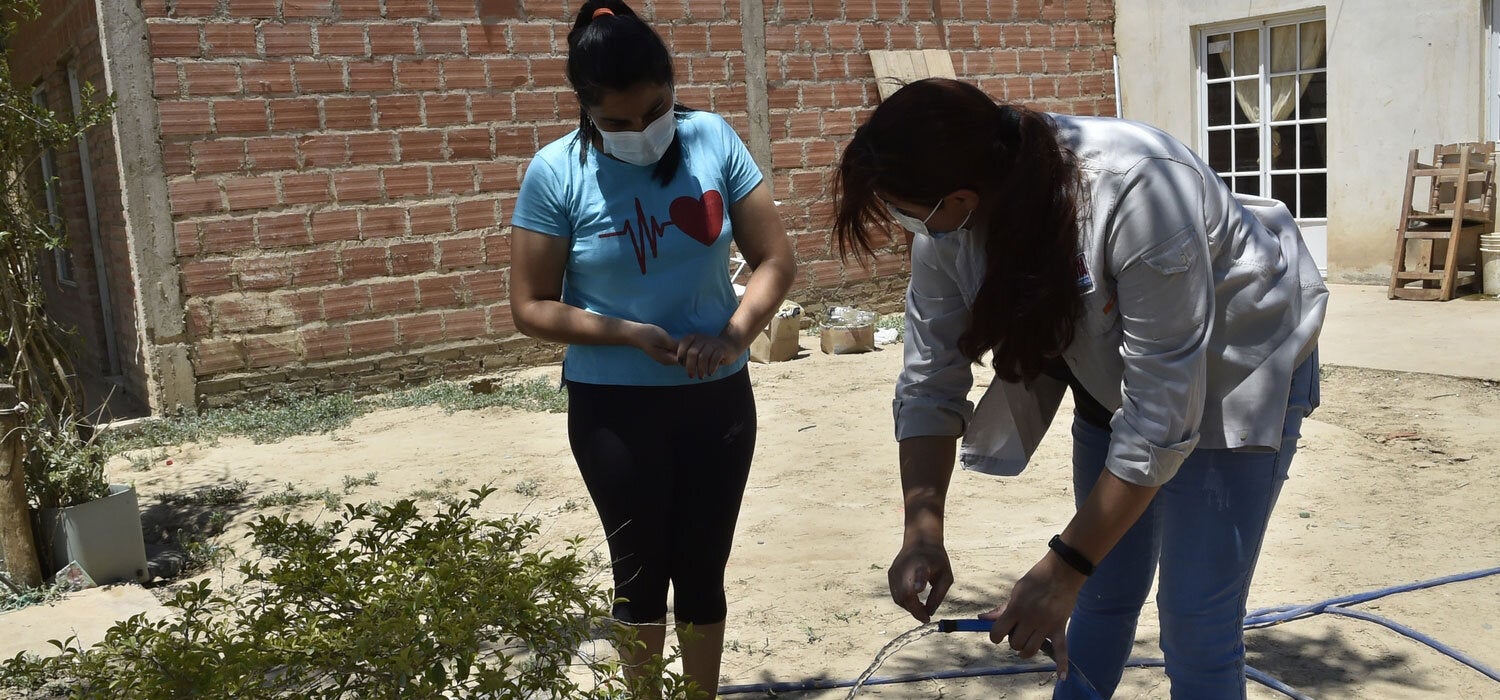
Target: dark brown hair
[{"x": 936, "y": 136}]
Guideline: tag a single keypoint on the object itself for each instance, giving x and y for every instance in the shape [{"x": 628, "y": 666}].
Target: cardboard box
[
  {"x": 844, "y": 340},
  {"x": 779, "y": 341}
]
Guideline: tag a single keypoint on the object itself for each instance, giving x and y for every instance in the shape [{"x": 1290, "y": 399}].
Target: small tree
[
  {"x": 62, "y": 468},
  {"x": 384, "y": 603}
]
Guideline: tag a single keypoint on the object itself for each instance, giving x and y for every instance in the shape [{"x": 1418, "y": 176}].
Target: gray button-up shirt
[{"x": 1199, "y": 304}]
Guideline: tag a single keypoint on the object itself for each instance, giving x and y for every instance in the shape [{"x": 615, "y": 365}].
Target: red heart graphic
[{"x": 703, "y": 219}]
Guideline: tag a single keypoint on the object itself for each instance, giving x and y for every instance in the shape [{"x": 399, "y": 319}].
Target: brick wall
[
  {"x": 67, "y": 34},
  {"x": 341, "y": 170}
]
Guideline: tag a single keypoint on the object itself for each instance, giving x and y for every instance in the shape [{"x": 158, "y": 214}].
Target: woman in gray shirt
[{"x": 1102, "y": 255}]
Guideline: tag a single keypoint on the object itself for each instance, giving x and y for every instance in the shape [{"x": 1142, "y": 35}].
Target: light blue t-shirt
[{"x": 642, "y": 251}]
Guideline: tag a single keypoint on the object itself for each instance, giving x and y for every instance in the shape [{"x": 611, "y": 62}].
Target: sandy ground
[{"x": 1393, "y": 484}]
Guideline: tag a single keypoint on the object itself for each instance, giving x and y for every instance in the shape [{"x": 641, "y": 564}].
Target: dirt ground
[{"x": 1393, "y": 484}]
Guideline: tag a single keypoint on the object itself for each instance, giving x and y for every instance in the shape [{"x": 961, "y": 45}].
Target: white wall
[{"x": 1401, "y": 75}]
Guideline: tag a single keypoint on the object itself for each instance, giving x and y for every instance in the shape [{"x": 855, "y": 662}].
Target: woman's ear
[{"x": 965, "y": 200}]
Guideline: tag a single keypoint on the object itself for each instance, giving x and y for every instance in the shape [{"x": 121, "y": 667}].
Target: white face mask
[
  {"x": 642, "y": 147},
  {"x": 919, "y": 226}
]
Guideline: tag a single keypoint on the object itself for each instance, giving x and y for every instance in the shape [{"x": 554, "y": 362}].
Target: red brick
[
  {"x": 456, "y": 9},
  {"x": 185, "y": 233},
  {"x": 464, "y": 324},
  {"x": 497, "y": 250},
  {"x": 341, "y": 40},
  {"x": 215, "y": 355},
  {"x": 458, "y": 253},
  {"x": 398, "y": 111},
  {"x": 175, "y": 40},
  {"x": 475, "y": 215},
  {"x": 324, "y": 343},
  {"x": 486, "y": 39},
  {"x": 267, "y": 78},
  {"x": 250, "y": 193},
  {"x": 324, "y": 151},
  {"x": 359, "y": 9},
  {"x": 405, "y": 182},
  {"x": 386, "y": 297},
  {"x": 484, "y": 286},
  {"x": 421, "y": 329},
  {"x": 176, "y": 159},
  {"x": 262, "y": 273},
  {"x": 240, "y": 116},
  {"x": 199, "y": 321},
  {"x": 345, "y": 302},
  {"x": 689, "y": 38},
  {"x": 453, "y": 179},
  {"x": 418, "y": 74},
  {"x": 407, "y": 9},
  {"x": 440, "y": 292},
  {"x": 347, "y": 113},
  {"x": 228, "y": 235},
  {"x": 485, "y": 108},
  {"x": 502, "y": 324},
  {"x": 411, "y": 258},
  {"x": 552, "y": 72},
  {"x": 365, "y": 263},
  {"x": 464, "y": 74},
  {"x": 315, "y": 268},
  {"x": 185, "y": 118},
  {"x": 211, "y": 78},
  {"x": 306, "y": 188},
  {"x": 370, "y": 337},
  {"x": 306, "y": 8},
  {"x": 536, "y": 106},
  {"x": 319, "y": 76},
  {"x": 295, "y": 115},
  {"x": 469, "y": 144},
  {"x": 372, "y": 149},
  {"x": 214, "y": 157},
  {"x": 154, "y": 9},
  {"x": 497, "y": 177},
  {"x": 382, "y": 222},
  {"x": 356, "y": 186},
  {"x": 272, "y": 351},
  {"x": 271, "y": 153},
  {"x": 281, "y": 230},
  {"x": 442, "y": 39},
  {"x": 253, "y": 9},
  {"x": 331, "y": 225},
  {"x": 195, "y": 197},
  {"x": 372, "y": 76},
  {"x": 422, "y": 145},
  {"x": 164, "y": 80},
  {"x": 225, "y": 39},
  {"x": 206, "y": 277},
  {"x": 430, "y": 219},
  {"x": 393, "y": 40},
  {"x": 445, "y": 110},
  {"x": 531, "y": 38},
  {"x": 287, "y": 40}
]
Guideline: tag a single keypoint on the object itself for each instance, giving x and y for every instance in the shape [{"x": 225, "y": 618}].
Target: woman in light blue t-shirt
[{"x": 620, "y": 246}]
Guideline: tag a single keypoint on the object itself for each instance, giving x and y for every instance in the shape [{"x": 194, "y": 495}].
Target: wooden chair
[{"x": 1459, "y": 207}]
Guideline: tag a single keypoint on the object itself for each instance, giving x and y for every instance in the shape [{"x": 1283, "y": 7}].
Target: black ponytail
[{"x": 610, "y": 48}]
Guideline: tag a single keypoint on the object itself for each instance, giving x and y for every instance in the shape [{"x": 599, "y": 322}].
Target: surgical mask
[
  {"x": 643, "y": 147},
  {"x": 919, "y": 226}
]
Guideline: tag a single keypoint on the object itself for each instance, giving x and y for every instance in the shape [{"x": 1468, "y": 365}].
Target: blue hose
[{"x": 1258, "y": 619}]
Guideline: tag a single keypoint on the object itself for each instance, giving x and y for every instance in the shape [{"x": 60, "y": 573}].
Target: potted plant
[{"x": 65, "y": 479}]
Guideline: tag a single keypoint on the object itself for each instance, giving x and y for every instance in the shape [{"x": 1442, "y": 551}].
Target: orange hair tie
[{"x": 601, "y": 12}]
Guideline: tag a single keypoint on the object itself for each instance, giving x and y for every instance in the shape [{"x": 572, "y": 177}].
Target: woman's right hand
[
  {"x": 652, "y": 340},
  {"x": 921, "y": 562}
]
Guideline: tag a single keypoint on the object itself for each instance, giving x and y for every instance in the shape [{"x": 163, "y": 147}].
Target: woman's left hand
[
  {"x": 1038, "y": 609},
  {"x": 702, "y": 355}
]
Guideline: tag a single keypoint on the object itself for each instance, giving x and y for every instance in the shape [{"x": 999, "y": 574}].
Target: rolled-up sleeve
[
  {"x": 1165, "y": 284},
  {"x": 932, "y": 390}
]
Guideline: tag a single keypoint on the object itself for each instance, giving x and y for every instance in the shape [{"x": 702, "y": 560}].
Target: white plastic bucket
[{"x": 1489, "y": 263}]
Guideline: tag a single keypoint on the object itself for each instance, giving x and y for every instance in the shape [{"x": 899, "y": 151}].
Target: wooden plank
[
  {"x": 894, "y": 69},
  {"x": 1419, "y": 275},
  {"x": 1416, "y": 294}
]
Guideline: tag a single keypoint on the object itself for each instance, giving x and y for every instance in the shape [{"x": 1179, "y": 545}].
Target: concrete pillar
[
  {"x": 757, "y": 98},
  {"x": 148, "y": 222}
]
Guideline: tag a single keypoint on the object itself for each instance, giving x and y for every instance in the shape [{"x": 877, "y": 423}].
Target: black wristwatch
[{"x": 1080, "y": 563}]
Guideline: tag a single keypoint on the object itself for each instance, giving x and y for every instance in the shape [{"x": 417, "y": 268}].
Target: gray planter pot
[{"x": 103, "y": 536}]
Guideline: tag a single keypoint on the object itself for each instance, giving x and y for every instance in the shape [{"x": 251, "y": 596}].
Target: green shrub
[{"x": 383, "y": 603}]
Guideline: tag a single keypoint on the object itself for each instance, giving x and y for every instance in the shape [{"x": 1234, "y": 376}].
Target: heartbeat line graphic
[{"x": 643, "y": 236}]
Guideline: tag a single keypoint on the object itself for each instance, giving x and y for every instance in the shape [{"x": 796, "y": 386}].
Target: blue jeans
[{"x": 1204, "y": 529}]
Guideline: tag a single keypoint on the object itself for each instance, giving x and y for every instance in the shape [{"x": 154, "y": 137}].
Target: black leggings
[{"x": 666, "y": 468}]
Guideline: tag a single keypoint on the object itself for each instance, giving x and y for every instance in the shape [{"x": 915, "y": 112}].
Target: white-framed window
[
  {"x": 62, "y": 258},
  {"x": 1263, "y": 110}
]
